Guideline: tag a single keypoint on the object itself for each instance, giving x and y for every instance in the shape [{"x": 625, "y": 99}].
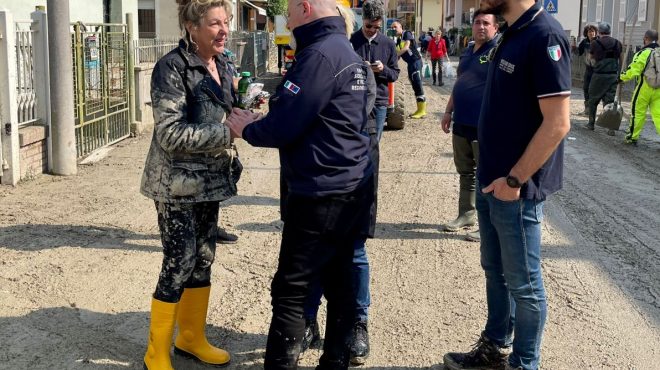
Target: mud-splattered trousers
[{"x": 188, "y": 233}]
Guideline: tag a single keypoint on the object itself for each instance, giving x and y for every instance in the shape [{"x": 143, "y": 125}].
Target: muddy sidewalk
[{"x": 79, "y": 258}]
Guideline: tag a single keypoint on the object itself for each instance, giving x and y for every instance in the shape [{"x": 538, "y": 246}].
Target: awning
[{"x": 260, "y": 11}]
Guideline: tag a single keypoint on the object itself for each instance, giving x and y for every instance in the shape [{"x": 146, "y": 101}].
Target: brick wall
[{"x": 33, "y": 150}]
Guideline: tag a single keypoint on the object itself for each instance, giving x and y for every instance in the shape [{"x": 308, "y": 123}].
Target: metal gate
[{"x": 101, "y": 83}]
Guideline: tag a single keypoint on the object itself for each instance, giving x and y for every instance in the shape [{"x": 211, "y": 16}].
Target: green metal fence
[{"x": 101, "y": 83}]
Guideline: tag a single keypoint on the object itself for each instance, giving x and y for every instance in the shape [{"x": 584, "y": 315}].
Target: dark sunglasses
[{"x": 370, "y": 26}]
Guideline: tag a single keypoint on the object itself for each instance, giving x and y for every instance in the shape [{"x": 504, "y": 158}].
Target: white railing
[
  {"x": 26, "y": 94},
  {"x": 150, "y": 50},
  {"x": 24, "y": 80}
]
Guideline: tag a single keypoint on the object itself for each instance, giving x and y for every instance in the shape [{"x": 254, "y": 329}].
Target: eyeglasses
[{"x": 370, "y": 26}]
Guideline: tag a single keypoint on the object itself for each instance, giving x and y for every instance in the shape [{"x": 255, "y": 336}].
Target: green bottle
[{"x": 243, "y": 84}]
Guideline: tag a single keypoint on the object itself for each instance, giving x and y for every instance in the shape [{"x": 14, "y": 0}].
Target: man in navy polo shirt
[
  {"x": 465, "y": 104},
  {"x": 524, "y": 118},
  {"x": 407, "y": 50}
]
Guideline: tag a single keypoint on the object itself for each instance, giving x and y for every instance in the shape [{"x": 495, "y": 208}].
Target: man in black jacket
[
  {"x": 327, "y": 170},
  {"x": 606, "y": 52},
  {"x": 379, "y": 51}
]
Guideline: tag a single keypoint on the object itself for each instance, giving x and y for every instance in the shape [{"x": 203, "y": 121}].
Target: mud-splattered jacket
[{"x": 191, "y": 157}]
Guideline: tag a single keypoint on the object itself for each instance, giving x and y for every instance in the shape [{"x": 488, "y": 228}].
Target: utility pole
[
  {"x": 579, "y": 30},
  {"x": 61, "y": 88}
]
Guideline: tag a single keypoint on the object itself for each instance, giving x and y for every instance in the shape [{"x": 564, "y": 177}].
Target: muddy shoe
[
  {"x": 459, "y": 223},
  {"x": 359, "y": 343},
  {"x": 484, "y": 355},
  {"x": 589, "y": 126},
  {"x": 473, "y": 236},
  {"x": 223, "y": 237},
  {"x": 312, "y": 336},
  {"x": 610, "y": 132}
]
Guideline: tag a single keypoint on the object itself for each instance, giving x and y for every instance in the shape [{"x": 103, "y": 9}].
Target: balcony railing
[{"x": 405, "y": 8}]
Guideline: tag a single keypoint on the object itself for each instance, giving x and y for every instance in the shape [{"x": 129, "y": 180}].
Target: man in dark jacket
[
  {"x": 606, "y": 52},
  {"x": 326, "y": 166},
  {"x": 379, "y": 51}
]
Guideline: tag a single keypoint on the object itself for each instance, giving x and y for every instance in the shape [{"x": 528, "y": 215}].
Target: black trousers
[
  {"x": 436, "y": 69},
  {"x": 317, "y": 248}
]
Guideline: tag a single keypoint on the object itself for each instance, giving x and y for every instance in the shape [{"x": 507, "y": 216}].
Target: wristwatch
[{"x": 513, "y": 182}]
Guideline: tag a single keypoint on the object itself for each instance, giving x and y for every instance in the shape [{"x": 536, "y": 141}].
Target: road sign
[{"x": 550, "y": 5}]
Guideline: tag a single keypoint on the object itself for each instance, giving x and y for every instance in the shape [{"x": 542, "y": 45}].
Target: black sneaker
[
  {"x": 312, "y": 336},
  {"x": 484, "y": 355},
  {"x": 359, "y": 343},
  {"x": 223, "y": 237}
]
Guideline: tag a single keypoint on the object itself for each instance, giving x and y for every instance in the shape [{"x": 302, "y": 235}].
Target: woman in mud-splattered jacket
[{"x": 190, "y": 168}]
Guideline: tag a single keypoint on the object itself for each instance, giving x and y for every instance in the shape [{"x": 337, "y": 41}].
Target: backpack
[{"x": 652, "y": 69}]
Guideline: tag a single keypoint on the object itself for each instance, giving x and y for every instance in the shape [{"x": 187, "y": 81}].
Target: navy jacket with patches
[{"x": 317, "y": 114}]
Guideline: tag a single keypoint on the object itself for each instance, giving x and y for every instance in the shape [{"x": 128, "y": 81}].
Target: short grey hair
[
  {"x": 373, "y": 10},
  {"x": 651, "y": 35}
]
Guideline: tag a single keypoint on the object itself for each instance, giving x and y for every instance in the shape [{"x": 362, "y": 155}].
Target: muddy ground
[{"x": 79, "y": 258}]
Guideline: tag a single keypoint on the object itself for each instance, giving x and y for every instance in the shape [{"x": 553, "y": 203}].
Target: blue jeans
[
  {"x": 360, "y": 270},
  {"x": 511, "y": 259},
  {"x": 381, "y": 116}
]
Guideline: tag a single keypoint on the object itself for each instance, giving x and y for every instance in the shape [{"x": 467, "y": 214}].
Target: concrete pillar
[
  {"x": 61, "y": 88},
  {"x": 41, "y": 68},
  {"x": 9, "y": 147},
  {"x": 130, "y": 67}
]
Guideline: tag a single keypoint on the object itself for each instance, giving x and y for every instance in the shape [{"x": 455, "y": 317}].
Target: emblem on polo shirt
[
  {"x": 291, "y": 87},
  {"x": 554, "y": 52}
]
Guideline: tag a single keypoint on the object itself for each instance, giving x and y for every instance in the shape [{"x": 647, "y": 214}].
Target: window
[
  {"x": 608, "y": 10},
  {"x": 622, "y": 11},
  {"x": 641, "y": 12},
  {"x": 147, "y": 23},
  {"x": 591, "y": 11}
]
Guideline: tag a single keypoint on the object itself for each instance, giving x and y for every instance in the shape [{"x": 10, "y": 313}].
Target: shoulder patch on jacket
[{"x": 291, "y": 87}]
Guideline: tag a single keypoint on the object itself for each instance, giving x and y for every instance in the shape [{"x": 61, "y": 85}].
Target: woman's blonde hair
[
  {"x": 194, "y": 10},
  {"x": 349, "y": 18}
]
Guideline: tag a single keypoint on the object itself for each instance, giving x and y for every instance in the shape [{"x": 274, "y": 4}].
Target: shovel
[{"x": 612, "y": 114}]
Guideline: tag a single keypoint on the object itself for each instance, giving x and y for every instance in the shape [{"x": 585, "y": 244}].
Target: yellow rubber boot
[
  {"x": 421, "y": 110},
  {"x": 191, "y": 340},
  {"x": 161, "y": 329}
]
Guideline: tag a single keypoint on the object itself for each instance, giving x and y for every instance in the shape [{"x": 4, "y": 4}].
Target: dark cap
[{"x": 604, "y": 28}]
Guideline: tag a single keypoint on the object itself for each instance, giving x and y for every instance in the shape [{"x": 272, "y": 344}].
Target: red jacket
[{"x": 437, "y": 49}]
